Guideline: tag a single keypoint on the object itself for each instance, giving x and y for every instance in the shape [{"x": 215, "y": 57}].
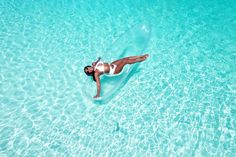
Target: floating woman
[{"x": 98, "y": 68}]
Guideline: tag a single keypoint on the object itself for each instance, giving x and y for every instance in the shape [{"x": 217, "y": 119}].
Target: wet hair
[{"x": 88, "y": 73}]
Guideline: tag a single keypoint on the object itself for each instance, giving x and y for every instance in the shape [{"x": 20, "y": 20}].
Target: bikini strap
[{"x": 98, "y": 64}]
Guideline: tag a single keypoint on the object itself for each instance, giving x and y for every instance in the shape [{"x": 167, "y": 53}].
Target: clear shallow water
[{"x": 181, "y": 101}]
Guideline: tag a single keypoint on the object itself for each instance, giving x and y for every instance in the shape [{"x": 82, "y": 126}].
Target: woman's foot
[{"x": 146, "y": 55}]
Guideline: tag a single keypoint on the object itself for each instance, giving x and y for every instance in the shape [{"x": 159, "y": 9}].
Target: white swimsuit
[
  {"x": 100, "y": 67},
  {"x": 112, "y": 70}
]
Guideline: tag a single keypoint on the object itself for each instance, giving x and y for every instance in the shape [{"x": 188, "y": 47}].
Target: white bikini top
[{"x": 100, "y": 66}]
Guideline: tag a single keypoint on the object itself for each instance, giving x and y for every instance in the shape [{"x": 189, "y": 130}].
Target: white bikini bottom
[{"x": 112, "y": 69}]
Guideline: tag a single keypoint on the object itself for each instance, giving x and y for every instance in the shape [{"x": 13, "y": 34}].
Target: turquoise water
[{"x": 180, "y": 102}]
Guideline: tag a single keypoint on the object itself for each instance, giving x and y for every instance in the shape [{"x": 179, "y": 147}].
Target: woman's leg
[
  {"x": 132, "y": 59},
  {"x": 137, "y": 57},
  {"x": 128, "y": 60}
]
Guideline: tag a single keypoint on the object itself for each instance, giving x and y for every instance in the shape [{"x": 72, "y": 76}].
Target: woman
[{"x": 98, "y": 68}]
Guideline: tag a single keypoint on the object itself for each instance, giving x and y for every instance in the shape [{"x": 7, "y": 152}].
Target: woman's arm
[
  {"x": 94, "y": 63},
  {"x": 98, "y": 85}
]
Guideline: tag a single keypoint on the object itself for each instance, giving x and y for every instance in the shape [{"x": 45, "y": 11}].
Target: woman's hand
[{"x": 96, "y": 96}]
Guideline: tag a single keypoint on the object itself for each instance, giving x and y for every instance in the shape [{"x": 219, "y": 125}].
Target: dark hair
[{"x": 89, "y": 74}]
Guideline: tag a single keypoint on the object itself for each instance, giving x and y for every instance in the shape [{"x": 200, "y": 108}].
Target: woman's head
[{"x": 89, "y": 71}]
